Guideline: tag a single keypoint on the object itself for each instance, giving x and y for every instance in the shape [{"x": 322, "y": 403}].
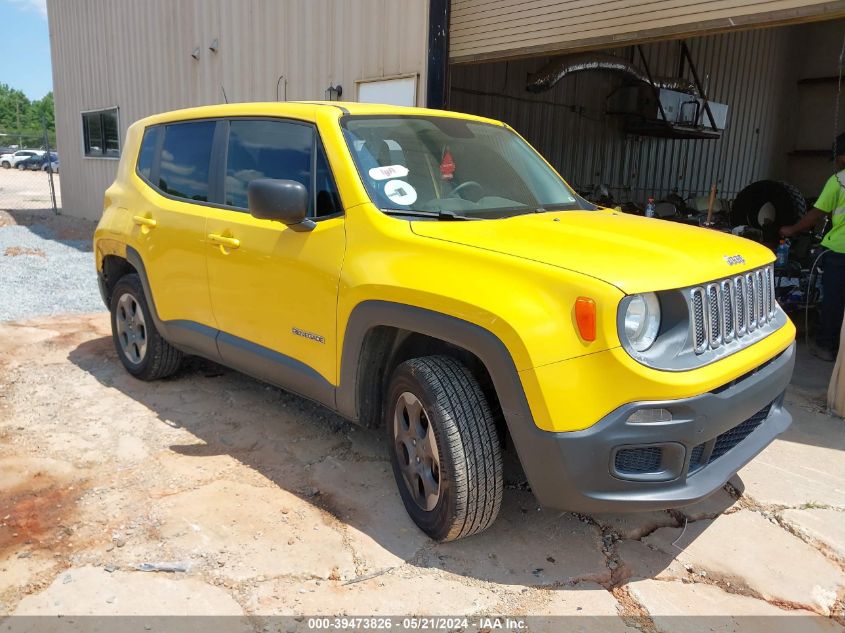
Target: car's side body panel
[{"x": 279, "y": 288}]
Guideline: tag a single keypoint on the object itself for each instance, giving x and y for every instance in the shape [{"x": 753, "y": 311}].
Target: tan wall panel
[
  {"x": 137, "y": 56},
  {"x": 497, "y": 29}
]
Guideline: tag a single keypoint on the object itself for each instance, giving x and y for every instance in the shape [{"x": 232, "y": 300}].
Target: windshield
[{"x": 446, "y": 165}]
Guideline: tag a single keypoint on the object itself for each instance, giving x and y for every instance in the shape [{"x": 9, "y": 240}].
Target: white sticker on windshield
[
  {"x": 390, "y": 171},
  {"x": 400, "y": 192}
]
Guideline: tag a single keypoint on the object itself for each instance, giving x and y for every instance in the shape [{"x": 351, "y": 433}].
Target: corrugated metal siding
[
  {"x": 498, "y": 29},
  {"x": 137, "y": 56},
  {"x": 750, "y": 71}
]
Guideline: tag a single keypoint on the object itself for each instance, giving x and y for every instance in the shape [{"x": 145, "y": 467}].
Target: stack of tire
[{"x": 768, "y": 205}]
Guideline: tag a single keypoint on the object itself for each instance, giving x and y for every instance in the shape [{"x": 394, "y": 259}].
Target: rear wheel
[
  {"x": 444, "y": 448},
  {"x": 142, "y": 350},
  {"x": 21, "y": 167}
]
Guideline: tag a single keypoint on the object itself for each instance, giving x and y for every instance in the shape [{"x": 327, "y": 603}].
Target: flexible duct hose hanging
[{"x": 558, "y": 68}]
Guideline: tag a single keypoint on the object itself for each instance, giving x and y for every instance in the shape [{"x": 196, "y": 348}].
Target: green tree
[{"x": 22, "y": 120}]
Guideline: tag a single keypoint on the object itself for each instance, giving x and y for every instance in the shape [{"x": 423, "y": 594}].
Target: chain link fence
[{"x": 29, "y": 171}]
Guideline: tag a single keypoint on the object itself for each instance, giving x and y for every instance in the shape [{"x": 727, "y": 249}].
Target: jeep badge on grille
[{"x": 734, "y": 260}]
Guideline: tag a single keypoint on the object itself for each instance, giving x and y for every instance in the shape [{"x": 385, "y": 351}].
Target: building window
[{"x": 100, "y": 133}]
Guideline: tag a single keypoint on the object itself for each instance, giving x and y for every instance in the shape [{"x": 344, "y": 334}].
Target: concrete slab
[
  {"x": 785, "y": 570},
  {"x": 694, "y": 607},
  {"x": 587, "y": 608},
  {"x": 823, "y": 526},
  {"x": 804, "y": 465},
  {"x": 638, "y": 560},
  {"x": 635, "y": 525},
  {"x": 527, "y": 546},
  {"x": 364, "y": 497},
  {"x": 254, "y": 531},
  {"x": 93, "y": 591},
  {"x": 407, "y": 591}
]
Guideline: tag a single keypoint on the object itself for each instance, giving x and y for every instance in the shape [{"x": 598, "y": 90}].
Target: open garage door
[{"x": 502, "y": 29}]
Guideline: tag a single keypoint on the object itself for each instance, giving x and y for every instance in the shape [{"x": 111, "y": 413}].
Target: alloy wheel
[
  {"x": 416, "y": 451},
  {"x": 131, "y": 328}
]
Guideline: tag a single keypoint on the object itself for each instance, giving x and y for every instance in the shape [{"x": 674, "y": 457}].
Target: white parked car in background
[{"x": 10, "y": 160}]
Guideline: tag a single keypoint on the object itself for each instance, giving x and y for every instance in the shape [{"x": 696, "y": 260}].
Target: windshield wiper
[{"x": 437, "y": 215}]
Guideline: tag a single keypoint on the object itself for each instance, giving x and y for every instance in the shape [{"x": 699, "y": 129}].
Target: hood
[{"x": 634, "y": 254}]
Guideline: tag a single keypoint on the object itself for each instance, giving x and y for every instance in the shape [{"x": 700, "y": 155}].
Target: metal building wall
[
  {"x": 137, "y": 56},
  {"x": 499, "y": 29},
  {"x": 751, "y": 71}
]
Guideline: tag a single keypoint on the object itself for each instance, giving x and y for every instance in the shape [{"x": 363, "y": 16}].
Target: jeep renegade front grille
[
  {"x": 731, "y": 308},
  {"x": 708, "y": 452}
]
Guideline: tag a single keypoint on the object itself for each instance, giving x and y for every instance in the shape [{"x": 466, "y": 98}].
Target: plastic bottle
[
  {"x": 782, "y": 253},
  {"x": 649, "y": 208}
]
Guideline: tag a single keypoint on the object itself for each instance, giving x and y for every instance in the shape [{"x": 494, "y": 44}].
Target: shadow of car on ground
[{"x": 343, "y": 470}]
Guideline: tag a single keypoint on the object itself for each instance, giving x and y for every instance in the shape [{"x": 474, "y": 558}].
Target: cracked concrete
[{"x": 273, "y": 505}]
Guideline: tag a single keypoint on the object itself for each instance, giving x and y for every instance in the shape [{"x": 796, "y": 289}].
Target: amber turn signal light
[{"x": 585, "y": 317}]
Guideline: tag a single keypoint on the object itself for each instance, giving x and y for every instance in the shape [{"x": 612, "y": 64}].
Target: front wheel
[
  {"x": 444, "y": 447},
  {"x": 142, "y": 350},
  {"x": 21, "y": 167}
]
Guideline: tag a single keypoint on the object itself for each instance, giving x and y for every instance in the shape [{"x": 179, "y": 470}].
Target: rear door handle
[
  {"x": 141, "y": 220},
  {"x": 222, "y": 240}
]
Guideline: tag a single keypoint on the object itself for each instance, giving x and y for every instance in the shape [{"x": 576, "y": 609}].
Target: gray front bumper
[{"x": 576, "y": 471}]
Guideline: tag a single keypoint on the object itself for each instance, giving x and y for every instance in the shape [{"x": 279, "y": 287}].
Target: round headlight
[{"x": 642, "y": 321}]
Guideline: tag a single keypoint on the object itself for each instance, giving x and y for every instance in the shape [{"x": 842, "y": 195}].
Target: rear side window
[
  {"x": 283, "y": 150},
  {"x": 147, "y": 152},
  {"x": 185, "y": 160}
]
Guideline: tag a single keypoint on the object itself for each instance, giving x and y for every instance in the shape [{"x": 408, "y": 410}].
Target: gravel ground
[{"x": 41, "y": 274}]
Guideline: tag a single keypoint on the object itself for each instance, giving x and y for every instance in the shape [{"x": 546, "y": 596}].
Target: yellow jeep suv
[{"x": 428, "y": 273}]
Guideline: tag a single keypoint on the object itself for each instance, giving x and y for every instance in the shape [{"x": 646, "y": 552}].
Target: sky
[{"x": 25, "y": 62}]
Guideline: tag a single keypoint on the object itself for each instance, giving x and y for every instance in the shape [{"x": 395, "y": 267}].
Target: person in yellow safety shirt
[{"x": 831, "y": 202}]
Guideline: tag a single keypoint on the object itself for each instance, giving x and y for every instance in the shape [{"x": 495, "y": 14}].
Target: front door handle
[
  {"x": 222, "y": 240},
  {"x": 141, "y": 220}
]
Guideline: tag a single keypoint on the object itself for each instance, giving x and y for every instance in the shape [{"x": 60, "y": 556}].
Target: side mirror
[{"x": 285, "y": 201}]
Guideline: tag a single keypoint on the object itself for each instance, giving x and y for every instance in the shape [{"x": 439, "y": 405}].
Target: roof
[{"x": 306, "y": 110}]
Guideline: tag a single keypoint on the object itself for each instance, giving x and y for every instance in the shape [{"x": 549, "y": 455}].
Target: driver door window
[{"x": 284, "y": 150}]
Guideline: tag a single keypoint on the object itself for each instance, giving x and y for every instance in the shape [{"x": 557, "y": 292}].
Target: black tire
[
  {"x": 21, "y": 167},
  {"x": 6, "y": 164},
  {"x": 470, "y": 462},
  {"x": 789, "y": 205},
  {"x": 160, "y": 359}
]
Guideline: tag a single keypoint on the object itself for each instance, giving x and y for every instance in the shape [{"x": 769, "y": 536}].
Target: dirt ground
[{"x": 267, "y": 504}]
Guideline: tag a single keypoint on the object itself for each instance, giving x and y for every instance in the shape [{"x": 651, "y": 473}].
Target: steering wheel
[{"x": 466, "y": 185}]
